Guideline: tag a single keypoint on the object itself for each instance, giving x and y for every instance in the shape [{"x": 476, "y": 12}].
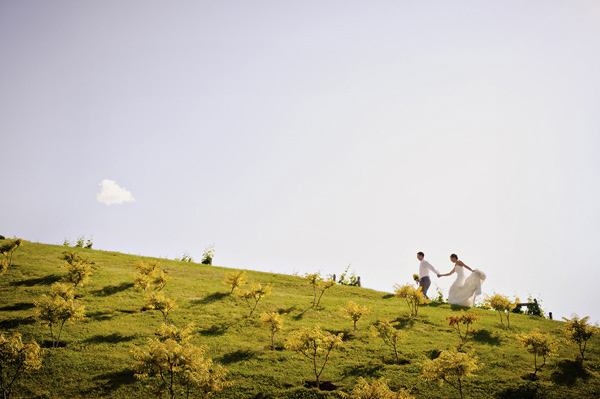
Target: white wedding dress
[{"x": 464, "y": 289}]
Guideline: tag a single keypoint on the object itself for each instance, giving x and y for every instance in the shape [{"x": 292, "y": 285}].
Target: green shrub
[
  {"x": 354, "y": 312},
  {"x": 540, "y": 345},
  {"x": 578, "y": 331},
  {"x": 58, "y": 308},
  {"x": 389, "y": 333},
  {"x": 378, "y": 389},
  {"x": 16, "y": 358},
  {"x": 451, "y": 367},
  {"x": 414, "y": 297}
]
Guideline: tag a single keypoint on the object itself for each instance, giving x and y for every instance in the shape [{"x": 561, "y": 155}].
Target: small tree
[
  {"x": 7, "y": 249},
  {"x": 451, "y": 367},
  {"x": 16, "y": 358},
  {"x": 79, "y": 272},
  {"x": 254, "y": 295},
  {"x": 579, "y": 331},
  {"x": 57, "y": 309},
  {"x": 150, "y": 275},
  {"x": 314, "y": 343},
  {"x": 236, "y": 279},
  {"x": 319, "y": 284},
  {"x": 208, "y": 255},
  {"x": 354, "y": 312},
  {"x": 503, "y": 305},
  {"x": 274, "y": 321},
  {"x": 378, "y": 389},
  {"x": 157, "y": 301},
  {"x": 541, "y": 345},
  {"x": 389, "y": 333},
  {"x": 414, "y": 297},
  {"x": 172, "y": 363},
  {"x": 465, "y": 318}
]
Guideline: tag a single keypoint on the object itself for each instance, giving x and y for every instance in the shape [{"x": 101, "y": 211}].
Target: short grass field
[{"x": 96, "y": 361}]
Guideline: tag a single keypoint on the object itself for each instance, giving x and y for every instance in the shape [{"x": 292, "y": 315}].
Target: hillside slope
[{"x": 96, "y": 360}]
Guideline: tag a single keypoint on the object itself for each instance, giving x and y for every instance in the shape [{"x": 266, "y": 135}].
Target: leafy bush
[
  {"x": 208, "y": 255},
  {"x": 314, "y": 343},
  {"x": 79, "y": 269},
  {"x": 354, "y": 312},
  {"x": 389, "y": 333},
  {"x": 465, "y": 318},
  {"x": 378, "y": 389},
  {"x": 186, "y": 257},
  {"x": 274, "y": 321},
  {"x": 540, "y": 344},
  {"x": 57, "y": 309},
  {"x": 16, "y": 358},
  {"x": 578, "y": 331},
  {"x": 319, "y": 284},
  {"x": 351, "y": 280},
  {"x": 150, "y": 275},
  {"x": 8, "y": 248},
  {"x": 414, "y": 297},
  {"x": 503, "y": 305},
  {"x": 236, "y": 279},
  {"x": 80, "y": 241},
  {"x": 451, "y": 367},
  {"x": 254, "y": 295},
  {"x": 157, "y": 301},
  {"x": 174, "y": 365}
]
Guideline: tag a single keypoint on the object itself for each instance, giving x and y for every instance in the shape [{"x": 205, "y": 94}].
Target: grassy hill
[{"x": 96, "y": 360}]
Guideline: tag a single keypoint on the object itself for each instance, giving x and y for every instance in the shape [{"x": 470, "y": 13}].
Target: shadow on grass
[
  {"x": 405, "y": 322},
  {"x": 112, "y": 289},
  {"x": 435, "y": 304},
  {"x": 113, "y": 338},
  {"x": 300, "y": 315},
  {"x": 215, "y": 330},
  {"x": 364, "y": 370},
  {"x": 433, "y": 353},
  {"x": 237, "y": 356},
  {"x": 568, "y": 371},
  {"x": 387, "y": 296},
  {"x": 214, "y": 297},
  {"x": 459, "y": 307},
  {"x": 16, "y": 322},
  {"x": 485, "y": 337},
  {"x": 526, "y": 391},
  {"x": 18, "y": 306},
  {"x": 348, "y": 334},
  {"x": 112, "y": 381},
  {"x": 46, "y": 280}
]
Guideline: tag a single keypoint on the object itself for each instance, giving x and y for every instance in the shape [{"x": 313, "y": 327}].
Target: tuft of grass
[{"x": 96, "y": 361}]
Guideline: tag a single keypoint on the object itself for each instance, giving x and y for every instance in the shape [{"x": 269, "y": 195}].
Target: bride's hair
[{"x": 454, "y": 256}]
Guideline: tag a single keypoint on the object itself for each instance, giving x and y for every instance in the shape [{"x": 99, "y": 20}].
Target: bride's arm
[
  {"x": 460, "y": 262},
  {"x": 447, "y": 274}
]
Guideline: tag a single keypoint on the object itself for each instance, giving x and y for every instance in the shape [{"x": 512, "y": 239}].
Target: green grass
[{"x": 96, "y": 361}]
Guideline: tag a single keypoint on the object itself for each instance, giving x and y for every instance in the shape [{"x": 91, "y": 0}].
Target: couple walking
[{"x": 463, "y": 290}]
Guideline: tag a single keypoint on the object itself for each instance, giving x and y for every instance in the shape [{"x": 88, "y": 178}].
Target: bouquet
[{"x": 416, "y": 278}]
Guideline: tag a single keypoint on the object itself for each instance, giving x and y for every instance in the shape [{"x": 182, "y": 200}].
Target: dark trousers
[{"x": 424, "y": 283}]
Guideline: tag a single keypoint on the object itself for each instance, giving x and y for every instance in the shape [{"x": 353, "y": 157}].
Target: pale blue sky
[{"x": 304, "y": 136}]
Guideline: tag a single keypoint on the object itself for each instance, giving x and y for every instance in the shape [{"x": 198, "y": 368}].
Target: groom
[{"x": 424, "y": 268}]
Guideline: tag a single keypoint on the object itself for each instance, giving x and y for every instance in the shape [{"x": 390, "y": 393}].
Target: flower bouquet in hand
[{"x": 416, "y": 278}]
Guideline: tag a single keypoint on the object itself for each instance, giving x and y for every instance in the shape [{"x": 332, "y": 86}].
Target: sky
[{"x": 307, "y": 136}]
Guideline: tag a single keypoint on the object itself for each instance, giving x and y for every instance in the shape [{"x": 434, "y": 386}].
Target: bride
[{"x": 464, "y": 289}]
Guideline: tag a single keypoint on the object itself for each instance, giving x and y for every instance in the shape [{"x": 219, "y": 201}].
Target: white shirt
[{"x": 424, "y": 269}]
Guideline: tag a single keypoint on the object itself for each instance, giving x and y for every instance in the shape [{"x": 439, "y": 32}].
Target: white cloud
[{"x": 111, "y": 194}]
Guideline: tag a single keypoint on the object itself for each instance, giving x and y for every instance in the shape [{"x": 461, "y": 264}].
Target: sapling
[
  {"x": 79, "y": 272},
  {"x": 16, "y": 358},
  {"x": 503, "y": 305},
  {"x": 540, "y": 345},
  {"x": 254, "y": 295},
  {"x": 274, "y": 321},
  {"x": 319, "y": 284},
  {"x": 389, "y": 333},
  {"x": 8, "y": 248},
  {"x": 579, "y": 331},
  {"x": 235, "y": 279},
  {"x": 414, "y": 297},
  {"x": 354, "y": 312},
  {"x": 171, "y": 363},
  {"x": 57, "y": 309},
  {"x": 150, "y": 275},
  {"x": 157, "y": 301},
  {"x": 315, "y": 344},
  {"x": 378, "y": 389},
  {"x": 451, "y": 367},
  {"x": 465, "y": 318}
]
